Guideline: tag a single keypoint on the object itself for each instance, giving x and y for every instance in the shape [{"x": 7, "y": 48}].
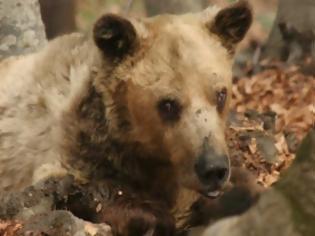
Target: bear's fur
[{"x": 137, "y": 102}]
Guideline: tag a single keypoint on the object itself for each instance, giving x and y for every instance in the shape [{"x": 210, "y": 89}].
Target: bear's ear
[
  {"x": 115, "y": 36},
  {"x": 232, "y": 23}
]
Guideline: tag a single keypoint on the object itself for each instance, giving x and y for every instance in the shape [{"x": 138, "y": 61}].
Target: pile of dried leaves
[
  {"x": 279, "y": 108},
  {"x": 9, "y": 228}
]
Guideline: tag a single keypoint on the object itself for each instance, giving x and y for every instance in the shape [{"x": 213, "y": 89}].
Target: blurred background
[{"x": 80, "y": 14}]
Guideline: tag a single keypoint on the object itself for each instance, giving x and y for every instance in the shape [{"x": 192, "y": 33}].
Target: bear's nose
[
  {"x": 212, "y": 167},
  {"x": 212, "y": 170}
]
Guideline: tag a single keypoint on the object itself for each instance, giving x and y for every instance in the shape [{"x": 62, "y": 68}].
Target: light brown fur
[
  {"x": 38, "y": 88},
  {"x": 70, "y": 109}
]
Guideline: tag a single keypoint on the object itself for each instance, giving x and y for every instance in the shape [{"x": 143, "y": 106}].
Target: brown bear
[{"x": 142, "y": 102}]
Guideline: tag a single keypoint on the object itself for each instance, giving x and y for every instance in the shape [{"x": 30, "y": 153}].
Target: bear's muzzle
[{"x": 212, "y": 169}]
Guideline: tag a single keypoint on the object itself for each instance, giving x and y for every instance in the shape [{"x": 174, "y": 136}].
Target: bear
[{"x": 141, "y": 103}]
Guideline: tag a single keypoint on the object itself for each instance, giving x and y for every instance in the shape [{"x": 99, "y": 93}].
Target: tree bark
[
  {"x": 22, "y": 30},
  {"x": 58, "y": 16},
  {"x": 155, "y": 7},
  {"x": 293, "y": 33}
]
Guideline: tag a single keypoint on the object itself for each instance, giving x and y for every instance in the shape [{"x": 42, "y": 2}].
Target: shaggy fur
[{"x": 89, "y": 106}]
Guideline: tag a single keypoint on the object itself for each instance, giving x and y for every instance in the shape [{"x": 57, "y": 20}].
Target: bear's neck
[{"x": 145, "y": 173}]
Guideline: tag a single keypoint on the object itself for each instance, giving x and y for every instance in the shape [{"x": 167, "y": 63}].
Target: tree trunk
[
  {"x": 58, "y": 16},
  {"x": 293, "y": 33},
  {"x": 155, "y": 7},
  {"x": 22, "y": 30}
]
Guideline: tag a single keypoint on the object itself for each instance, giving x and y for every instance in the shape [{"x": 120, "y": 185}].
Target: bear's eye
[
  {"x": 169, "y": 110},
  {"x": 221, "y": 99}
]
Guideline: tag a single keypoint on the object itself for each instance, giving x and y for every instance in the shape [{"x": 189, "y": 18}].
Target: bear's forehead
[{"x": 182, "y": 45}]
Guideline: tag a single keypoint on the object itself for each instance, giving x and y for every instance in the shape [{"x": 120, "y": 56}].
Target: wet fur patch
[
  {"x": 121, "y": 109},
  {"x": 86, "y": 131}
]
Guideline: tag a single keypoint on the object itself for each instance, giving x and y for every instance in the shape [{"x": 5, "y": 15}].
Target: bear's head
[{"x": 167, "y": 86}]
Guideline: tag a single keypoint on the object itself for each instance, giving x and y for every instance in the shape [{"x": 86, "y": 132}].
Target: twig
[{"x": 128, "y": 7}]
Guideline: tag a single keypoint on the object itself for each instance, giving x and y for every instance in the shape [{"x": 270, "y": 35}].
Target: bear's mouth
[{"x": 213, "y": 194}]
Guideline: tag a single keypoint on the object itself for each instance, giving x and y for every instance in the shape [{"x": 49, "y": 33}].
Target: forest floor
[{"x": 281, "y": 100}]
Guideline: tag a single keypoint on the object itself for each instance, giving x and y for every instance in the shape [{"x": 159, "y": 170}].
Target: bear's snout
[{"x": 213, "y": 170}]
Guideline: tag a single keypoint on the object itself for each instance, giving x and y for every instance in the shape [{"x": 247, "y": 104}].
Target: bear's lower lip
[{"x": 213, "y": 194}]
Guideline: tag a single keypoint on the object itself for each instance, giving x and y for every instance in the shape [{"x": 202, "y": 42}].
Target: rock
[
  {"x": 62, "y": 223},
  {"x": 22, "y": 30},
  {"x": 266, "y": 146},
  {"x": 292, "y": 141},
  {"x": 34, "y": 200},
  {"x": 269, "y": 120}
]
